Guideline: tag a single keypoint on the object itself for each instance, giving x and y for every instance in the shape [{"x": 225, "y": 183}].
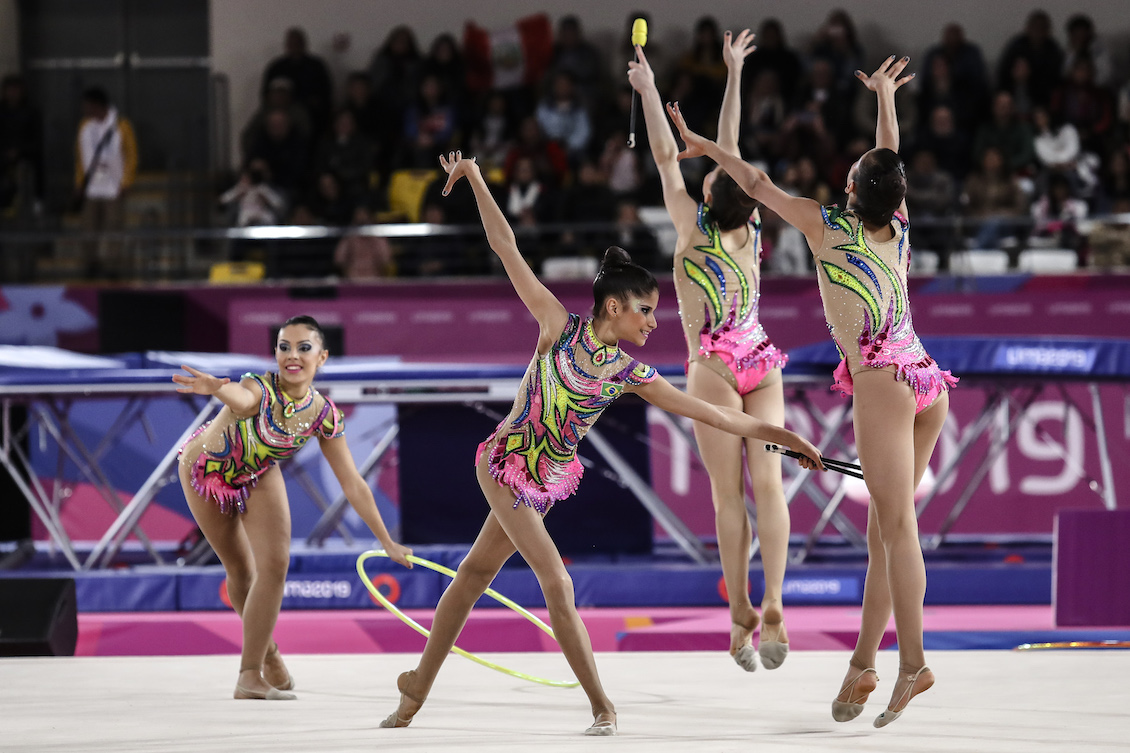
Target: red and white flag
[{"x": 512, "y": 56}]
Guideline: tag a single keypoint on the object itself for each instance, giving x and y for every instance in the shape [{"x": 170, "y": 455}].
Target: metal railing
[{"x": 422, "y": 249}]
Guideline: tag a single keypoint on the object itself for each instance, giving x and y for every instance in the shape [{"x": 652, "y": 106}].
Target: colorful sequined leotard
[
  {"x": 719, "y": 294},
  {"x": 229, "y": 454},
  {"x": 534, "y": 450},
  {"x": 863, "y": 286}
]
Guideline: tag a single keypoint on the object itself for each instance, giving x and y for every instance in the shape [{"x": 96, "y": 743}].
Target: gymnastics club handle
[
  {"x": 639, "y": 38},
  {"x": 848, "y": 469}
]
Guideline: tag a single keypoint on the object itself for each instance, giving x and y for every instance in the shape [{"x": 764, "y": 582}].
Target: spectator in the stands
[
  {"x": 1087, "y": 106},
  {"x": 700, "y": 71},
  {"x": 1008, "y": 134},
  {"x": 105, "y": 167},
  {"x": 946, "y": 141},
  {"x": 1082, "y": 41},
  {"x": 801, "y": 178},
  {"x": 931, "y": 198},
  {"x": 1059, "y": 150},
  {"x": 587, "y": 200},
  {"x": 964, "y": 68},
  {"x": 360, "y": 101},
  {"x": 529, "y": 200},
  {"x": 821, "y": 99},
  {"x": 278, "y": 98},
  {"x": 621, "y": 165},
  {"x": 1043, "y": 54},
  {"x": 313, "y": 88},
  {"x": 632, "y": 233},
  {"x": 580, "y": 58},
  {"x": 363, "y": 257},
  {"x": 328, "y": 203},
  {"x": 994, "y": 200},
  {"x": 285, "y": 151},
  {"x": 445, "y": 62},
  {"x": 837, "y": 42},
  {"x": 429, "y": 125},
  {"x": 21, "y": 144},
  {"x": 492, "y": 132},
  {"x": 563, "y": 116},
  {"x": 548, "y": 157},
  {"x": 252, "y": 200},
  {"x": 1116, "y": 182},
  {"x": 1020, "y": 89},
  {"x": 775, "y": 56},
  {"x": 1056, "y": 213},
  {"x": 765, "y": 110},
  {"x": 939, "y": 89},
  {"x": 349, "y": 155},
  {"x": 395, "y": 76}
]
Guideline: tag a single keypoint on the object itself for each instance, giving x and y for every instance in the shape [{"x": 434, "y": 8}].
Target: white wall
[
  {"x": 246, "y": 34},
  {"x": 9, "y": 38}
]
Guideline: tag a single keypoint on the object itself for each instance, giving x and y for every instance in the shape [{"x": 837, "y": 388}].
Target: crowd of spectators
[{"x": 996, "y": 154}]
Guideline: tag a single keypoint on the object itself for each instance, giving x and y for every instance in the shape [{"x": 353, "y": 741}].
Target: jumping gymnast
[
  {"x": 731, "y": 361},
  {"x": 901, "y": 401},
  {"x": 236, "y": 492},
  {"x": 530, "y": 462}
]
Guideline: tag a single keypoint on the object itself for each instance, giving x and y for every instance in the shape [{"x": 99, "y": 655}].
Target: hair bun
[{"x": 615, "y": 256}]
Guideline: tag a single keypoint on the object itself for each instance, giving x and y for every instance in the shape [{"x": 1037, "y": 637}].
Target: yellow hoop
[
  {"x": 1073, "y": 644},
  {"x": 384, "y": 602}
]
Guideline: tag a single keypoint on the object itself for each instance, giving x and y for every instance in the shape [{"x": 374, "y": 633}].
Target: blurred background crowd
[{"x": 1004, "y": 148}]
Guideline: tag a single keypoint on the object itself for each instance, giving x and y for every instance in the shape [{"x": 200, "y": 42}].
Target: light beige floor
[{"x": 997, "y": 702}]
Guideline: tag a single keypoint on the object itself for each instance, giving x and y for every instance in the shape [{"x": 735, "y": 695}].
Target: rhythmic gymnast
[
  {"x": 530, "y": 461},
  {"x": 236, "y": 492},
  {"x": 732, "y": 362},
  {"x": 900, "y": 394}
]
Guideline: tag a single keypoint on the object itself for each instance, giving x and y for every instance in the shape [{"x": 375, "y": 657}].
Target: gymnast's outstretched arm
[
  {"x": 662, "y": 394},
  {"x": 546, "y": 309},
  {"x": 800, "y": 212}
]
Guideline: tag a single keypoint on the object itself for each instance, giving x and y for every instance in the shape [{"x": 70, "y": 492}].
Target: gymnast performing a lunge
[
  {"x": 530, "y": 461},
  {"x": 235, "y": 490},
  {"x": 900, "y": 395},
  {"x": 731, "y": 360}
]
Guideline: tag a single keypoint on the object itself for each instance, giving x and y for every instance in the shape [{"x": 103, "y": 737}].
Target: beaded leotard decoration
[
  {"x": 863, "y": 286},
  {"x": 229, "y": 454},
  {"x": 534, "y": 449},
  {"x": 719, "y": 301}
]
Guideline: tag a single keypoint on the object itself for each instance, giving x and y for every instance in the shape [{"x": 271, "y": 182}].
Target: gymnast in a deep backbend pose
[
  {"x": 900, "y": 394},
  {"x": 731, "y": 361},
  {"x": 530, "y": 462},
  {"x": 236, "y": 492}
]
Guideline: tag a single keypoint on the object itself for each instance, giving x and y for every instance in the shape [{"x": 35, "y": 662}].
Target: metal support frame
[
  {"x": 332, "y": 515},
  {"x": 996, "y": 447},
  {"x": 670, "y": 522},
  {"x": 111, "y": 542}
]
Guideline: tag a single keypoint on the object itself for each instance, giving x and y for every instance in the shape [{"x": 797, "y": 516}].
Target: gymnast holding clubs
[
  {"x": 530, "y": 462},
  {"x": 731, "y": 360},
  {"x": 900, "y": 394},
  {"x": 234, "y": 488}
]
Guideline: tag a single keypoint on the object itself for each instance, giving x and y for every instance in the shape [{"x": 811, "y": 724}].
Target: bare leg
[
  {"x": 894, "y": 447},
  {"x": 491, "y": 550},
  {"x": 267, "y": 523},
  {"x": 767, "y": 402},
  {"x": 228, "y": 536},
  {"x": 526, "y": 530},
  {"x": 722, "y": 455}
]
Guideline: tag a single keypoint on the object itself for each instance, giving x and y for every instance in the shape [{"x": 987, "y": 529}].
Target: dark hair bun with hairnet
[{"x": 620, "y": 277}]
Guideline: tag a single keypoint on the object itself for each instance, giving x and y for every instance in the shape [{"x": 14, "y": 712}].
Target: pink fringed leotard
[
  {"x": 863, "y": 286},
  {"x": 719, "y": 293},
  {"x": 229, "y": 454},
  {"x": 533, "y": 451}
]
